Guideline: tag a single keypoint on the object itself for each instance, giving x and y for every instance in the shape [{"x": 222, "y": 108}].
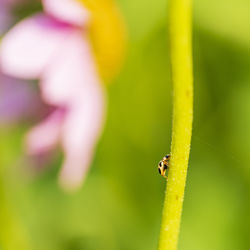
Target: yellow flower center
[{"x": 107, "y": 34}]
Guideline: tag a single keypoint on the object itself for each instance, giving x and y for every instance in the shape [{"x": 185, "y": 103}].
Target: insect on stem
[{"x": 180, "y": 24}]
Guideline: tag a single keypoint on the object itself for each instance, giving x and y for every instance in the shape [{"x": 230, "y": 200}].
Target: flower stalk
[{"x": 180, "y": 26}]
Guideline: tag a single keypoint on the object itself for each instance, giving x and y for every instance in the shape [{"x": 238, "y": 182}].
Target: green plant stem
[{"x": 180, "y": 21}]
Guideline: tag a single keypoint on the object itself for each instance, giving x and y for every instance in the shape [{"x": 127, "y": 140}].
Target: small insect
[{"x": 163, "y": 165}]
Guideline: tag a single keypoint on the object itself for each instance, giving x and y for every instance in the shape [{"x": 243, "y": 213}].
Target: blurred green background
[{"x": 119, "y": 206}]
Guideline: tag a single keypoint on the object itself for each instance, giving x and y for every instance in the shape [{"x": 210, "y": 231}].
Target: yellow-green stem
[{"x": 180, "y": 26}]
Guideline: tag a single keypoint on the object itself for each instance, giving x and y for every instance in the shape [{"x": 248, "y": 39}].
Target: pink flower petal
[
  {"x": 71, "y": 70},
  {"x": 81, "y": 131},
  {"x": 18, "y": 100},
  {"x": 70, "y": 11},
  {"x": 43, "y": 137},
  {"x": 29, "y": 46}
]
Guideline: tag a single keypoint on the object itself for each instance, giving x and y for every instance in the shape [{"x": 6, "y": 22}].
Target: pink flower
[
  {"x": 54, "y": 48},
  {"x": 18, "y": 101}
]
